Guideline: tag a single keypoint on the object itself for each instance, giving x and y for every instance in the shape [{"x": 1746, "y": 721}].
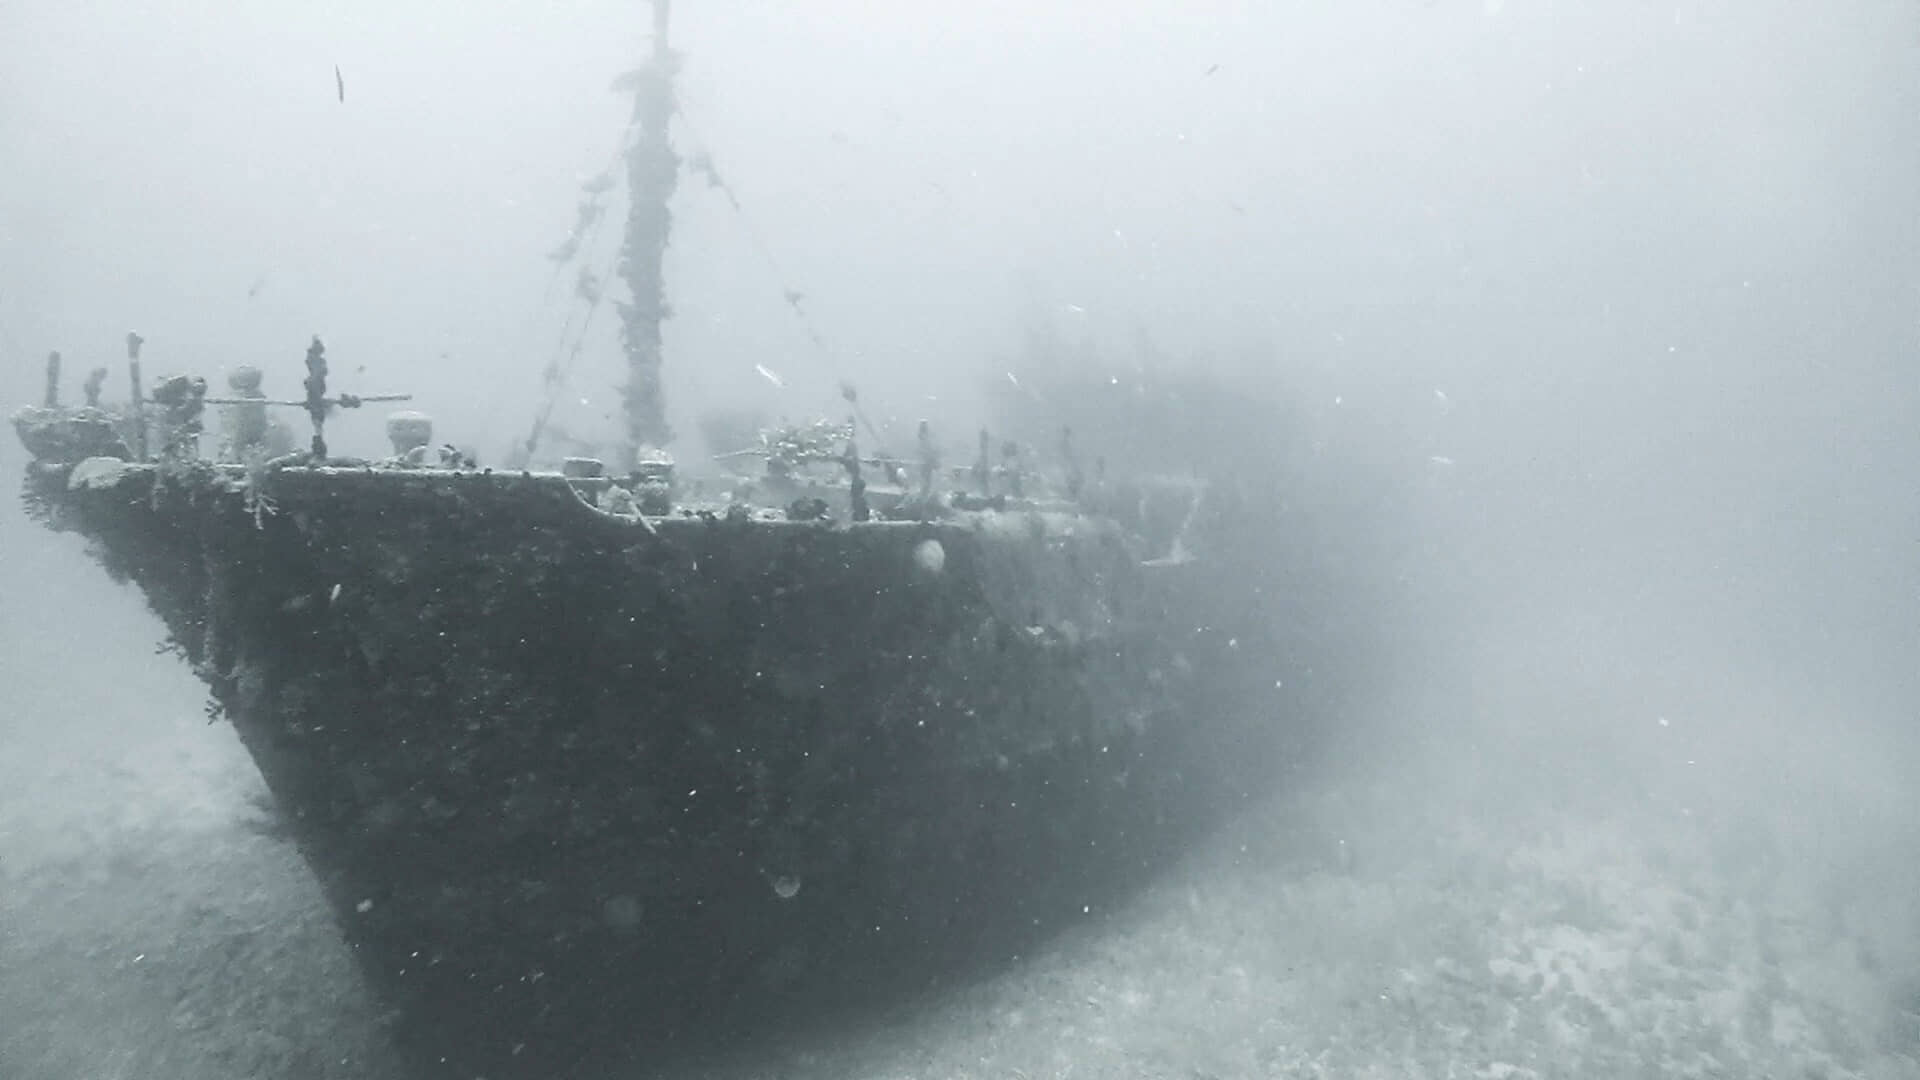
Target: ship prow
[{"x": 574, "y": 775}]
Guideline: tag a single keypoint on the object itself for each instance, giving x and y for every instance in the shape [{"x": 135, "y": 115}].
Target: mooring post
[
  {"x": 246, "y": 423},
  {"x": 182, "y": 404}
]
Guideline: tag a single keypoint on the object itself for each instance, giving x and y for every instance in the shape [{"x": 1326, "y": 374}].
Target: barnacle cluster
[{"x": 795, "y": 445}]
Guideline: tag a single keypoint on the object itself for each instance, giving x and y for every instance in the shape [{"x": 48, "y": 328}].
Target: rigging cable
[
  {"x": 563, "y": 360},
  {"x": 560, "y": 360},
  {"x": 592, "y": 233},
  {"x": 703, "y": 157},
  {"x": 559, "y": 264},
  {"x": 793, "y": 297}
]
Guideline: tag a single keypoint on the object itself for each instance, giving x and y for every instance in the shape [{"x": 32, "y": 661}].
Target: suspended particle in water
[
  {"x": 786, "y": 886},
  {"x": 622, "y": 912},
  {"x": 930, "y": 556}
]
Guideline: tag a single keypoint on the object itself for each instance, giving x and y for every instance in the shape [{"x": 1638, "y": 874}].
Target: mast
[{"x": 653, "y": 171}]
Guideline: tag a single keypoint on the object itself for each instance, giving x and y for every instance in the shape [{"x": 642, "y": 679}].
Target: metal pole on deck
[
  {"x": 139, "y": 401},
  {"x": 653, "y": 172}
]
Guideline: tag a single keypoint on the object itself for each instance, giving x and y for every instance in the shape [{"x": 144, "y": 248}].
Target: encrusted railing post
[
  {"x": 856, "y": 484},
  {"x": 138, "y": 405},
  {"x": 929, "y": 460},
  {"x": 983, "y": 467},
  {"x": 1076, "y": 480},
  {"x": 53, "y": 380},
  {"x": 317, "y": 397}
]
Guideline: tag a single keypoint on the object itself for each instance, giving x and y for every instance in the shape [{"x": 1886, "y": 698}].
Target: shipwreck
[{"x": 588, "y": 758}]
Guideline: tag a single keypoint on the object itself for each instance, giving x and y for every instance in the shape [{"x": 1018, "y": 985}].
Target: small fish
[
  {"x": 339, "y": 84},
  {"x": 1177, "y": 555},
  {"x": 770, "y": 376}
]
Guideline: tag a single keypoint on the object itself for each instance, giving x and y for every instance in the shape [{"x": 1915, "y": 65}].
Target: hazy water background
[{"x": 1623, "y": 300}]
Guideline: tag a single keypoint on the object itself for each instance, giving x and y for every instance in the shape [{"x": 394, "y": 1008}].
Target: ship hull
[{"x": 579, "y": 787}]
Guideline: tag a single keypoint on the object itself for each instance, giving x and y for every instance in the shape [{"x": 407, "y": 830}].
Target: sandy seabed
[{"x": 1437, "y": 912}]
